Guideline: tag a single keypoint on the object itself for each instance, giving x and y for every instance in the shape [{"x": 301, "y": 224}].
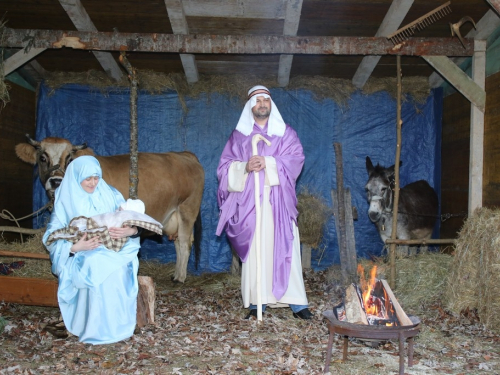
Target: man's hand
[{"x": 256, "y": 164}]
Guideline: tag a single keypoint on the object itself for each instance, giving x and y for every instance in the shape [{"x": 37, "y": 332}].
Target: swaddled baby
[{"x": 130, "y": 213}]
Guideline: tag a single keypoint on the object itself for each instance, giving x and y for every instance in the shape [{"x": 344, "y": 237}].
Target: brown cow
[{"x": 170, "y": 185}]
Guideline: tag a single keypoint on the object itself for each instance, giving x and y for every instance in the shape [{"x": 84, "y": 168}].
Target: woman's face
[{"x": 90, "y": 183}]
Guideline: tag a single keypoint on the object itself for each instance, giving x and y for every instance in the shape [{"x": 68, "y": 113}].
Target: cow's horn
[
  {"x": 80, "y": 147},
  {"x": 32, "y": 141}
]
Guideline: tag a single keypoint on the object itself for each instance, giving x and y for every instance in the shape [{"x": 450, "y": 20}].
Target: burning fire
[
  {"x": 376, "y": 303},
  {"x": 371, "y": 307}
]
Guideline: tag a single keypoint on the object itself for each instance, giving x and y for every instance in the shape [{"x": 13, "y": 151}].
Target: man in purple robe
[{"x": 278, "y": 166}]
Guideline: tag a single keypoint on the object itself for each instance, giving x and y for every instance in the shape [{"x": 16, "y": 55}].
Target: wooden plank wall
[
  {"x": 455, "y": 155},
  {"x": 16, "y": 188}
]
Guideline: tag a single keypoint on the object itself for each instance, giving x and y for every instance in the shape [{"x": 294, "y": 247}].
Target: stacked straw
[{"x": 474, "y": 281}]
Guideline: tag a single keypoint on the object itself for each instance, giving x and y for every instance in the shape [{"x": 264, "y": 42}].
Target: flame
[
  {"x": 367, "y": 288},
  {"x": 375, "y": 305}
]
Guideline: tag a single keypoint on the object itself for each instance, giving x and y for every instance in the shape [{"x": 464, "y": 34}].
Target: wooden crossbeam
[
  {"x": 232, "y": 44},
  {"x": 80, "y": 18},
  {"x": 392, "y": 20},
  {"x": 180, "y": 26}
]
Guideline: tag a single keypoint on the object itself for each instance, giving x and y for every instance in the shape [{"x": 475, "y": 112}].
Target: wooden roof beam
[
  {"x": 82, "y": 22},
  {"x": 232, "y": 44},
  {"x": 459, "y": 79},
  {"x": 269, "y": 9},
  {"x": 485, "y": 26},
  {"x": 179, "y": 25},
  {"x": 32, "y": 72},
  {"x": 495, "y": 4},
  {"x": 392, "y": 20},
  {"x": 19, "y": 59},
  {"x": 292, "y": 19}
]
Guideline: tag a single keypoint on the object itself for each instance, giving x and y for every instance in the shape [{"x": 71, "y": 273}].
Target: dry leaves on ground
[{"x": 201, "y": 330}]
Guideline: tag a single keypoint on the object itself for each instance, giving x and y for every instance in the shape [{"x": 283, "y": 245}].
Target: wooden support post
[
  {"x": 477, "y": 130},
  {"x": 134, "y": 168},
  {"x": 347, "y": 257},
  {"x": 349, "y": 233}
]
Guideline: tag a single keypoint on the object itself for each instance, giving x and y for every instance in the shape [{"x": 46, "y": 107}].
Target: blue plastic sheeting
[{"x": 366, "y": 128}]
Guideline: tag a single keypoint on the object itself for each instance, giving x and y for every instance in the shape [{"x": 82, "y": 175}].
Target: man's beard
[{"x": 259, "y": 115}]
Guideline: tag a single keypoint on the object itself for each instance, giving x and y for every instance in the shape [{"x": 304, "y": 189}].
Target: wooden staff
[
  {"x": 392, "y": 249},
  {"x": 256, "y": 139}
]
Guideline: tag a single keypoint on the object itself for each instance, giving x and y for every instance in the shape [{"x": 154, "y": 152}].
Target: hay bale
[
  {"x": 474, "y": 280},
  {"x": 313, "y": 214},
  {"x": 416, "y": 87}
]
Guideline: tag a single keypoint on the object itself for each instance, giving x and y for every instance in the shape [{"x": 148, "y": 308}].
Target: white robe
[{"x": 295, "y": 293}]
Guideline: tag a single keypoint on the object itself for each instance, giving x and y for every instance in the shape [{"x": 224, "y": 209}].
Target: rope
[
  {"x": 442, "y": 217},
  {"x": 5, "y": 214}
]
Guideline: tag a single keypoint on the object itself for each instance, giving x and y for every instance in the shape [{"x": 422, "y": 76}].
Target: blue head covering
[{"x": 71, "y": 200}]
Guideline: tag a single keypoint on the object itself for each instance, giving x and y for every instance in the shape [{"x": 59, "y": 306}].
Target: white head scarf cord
[
  {"x": 71, "y": 200},
  {"x": 275, "y": 125}
]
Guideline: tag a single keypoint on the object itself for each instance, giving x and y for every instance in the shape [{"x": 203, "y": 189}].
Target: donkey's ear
[
  {"x": 390, "y": 171},
  {"x": 369, "y": 165}
]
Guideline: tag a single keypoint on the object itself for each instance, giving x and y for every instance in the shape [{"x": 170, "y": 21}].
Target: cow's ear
[
  {"x": 85, "y": 151},
  {"x": 26, "y": 153}
]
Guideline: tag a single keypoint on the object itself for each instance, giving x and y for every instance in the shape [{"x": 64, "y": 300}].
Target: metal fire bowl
[{"x": 362, "y": 331}]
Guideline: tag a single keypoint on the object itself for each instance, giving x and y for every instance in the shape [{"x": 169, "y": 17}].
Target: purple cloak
[{"x": 237, "y": 210}]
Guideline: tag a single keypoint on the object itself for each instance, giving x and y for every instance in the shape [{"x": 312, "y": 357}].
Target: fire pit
[
  {"x": 379, "y": 332},
  {"x": 371, "y": 314}
]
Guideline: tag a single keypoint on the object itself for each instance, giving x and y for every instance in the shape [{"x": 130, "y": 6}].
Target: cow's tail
[{"x": 197, "y": 239}]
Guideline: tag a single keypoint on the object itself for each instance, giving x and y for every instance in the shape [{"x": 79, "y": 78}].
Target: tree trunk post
[{"x": 134, "y": 169}]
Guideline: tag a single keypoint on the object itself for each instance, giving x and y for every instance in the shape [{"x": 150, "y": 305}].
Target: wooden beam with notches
[{"x": 232, "y": 44}]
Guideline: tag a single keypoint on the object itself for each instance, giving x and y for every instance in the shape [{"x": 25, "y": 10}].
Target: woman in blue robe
[{"x": 98, "y": 287}]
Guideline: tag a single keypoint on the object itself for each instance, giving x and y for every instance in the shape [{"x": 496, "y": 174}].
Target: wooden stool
[{"x": 361, "y": 331}]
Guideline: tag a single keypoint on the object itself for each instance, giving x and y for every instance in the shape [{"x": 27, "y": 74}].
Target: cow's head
[{"x": 52, "y": 155}]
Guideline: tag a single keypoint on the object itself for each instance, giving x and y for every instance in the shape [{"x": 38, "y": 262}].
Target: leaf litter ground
[{"x": 200, "y": 329}]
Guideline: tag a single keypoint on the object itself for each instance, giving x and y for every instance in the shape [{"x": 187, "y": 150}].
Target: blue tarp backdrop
[{"x": 366, "y": 127}]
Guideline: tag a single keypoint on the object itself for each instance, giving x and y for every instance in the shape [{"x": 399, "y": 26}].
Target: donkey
[{"x": 417, "y": 208}]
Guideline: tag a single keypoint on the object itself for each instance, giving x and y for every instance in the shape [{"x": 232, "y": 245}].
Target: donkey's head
[{"x": 379, "y": 189}]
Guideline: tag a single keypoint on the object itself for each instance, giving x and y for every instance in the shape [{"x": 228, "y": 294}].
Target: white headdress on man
[{"x": 275, "y": 125}]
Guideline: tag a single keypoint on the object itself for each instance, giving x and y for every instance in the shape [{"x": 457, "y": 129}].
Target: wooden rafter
[
  {"x": 82, "y": 22},
  {"x": 19, "y": 59},
  {"x": 232, "y": 44},
  {"x": 269, "y": 9},
  {"x": 292, "y": 18},
  {"x": 486, "y": 25},
  {"x": 392, "y": 20},
  {"x": 179, "y": 25},
  {"x": 495, "y": 4},
  {"x": 457, "y": 77}
]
